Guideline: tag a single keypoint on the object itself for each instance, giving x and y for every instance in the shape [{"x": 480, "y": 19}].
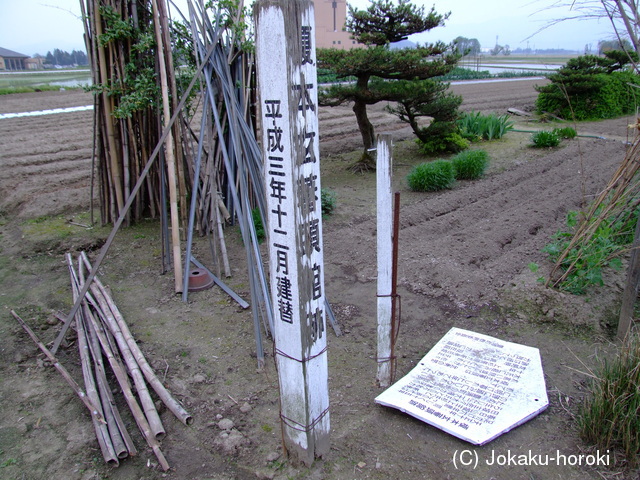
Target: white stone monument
[{"x": 472, "y": 386}]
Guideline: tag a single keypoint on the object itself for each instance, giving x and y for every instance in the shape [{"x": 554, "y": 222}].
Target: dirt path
[{"x": 463, "y": 263}]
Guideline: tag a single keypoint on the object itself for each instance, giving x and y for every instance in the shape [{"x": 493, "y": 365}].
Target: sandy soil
[{"x": 463, "y": 262}]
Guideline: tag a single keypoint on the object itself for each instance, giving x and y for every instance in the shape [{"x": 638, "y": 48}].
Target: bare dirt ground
[{"x": 464, "y": 257}]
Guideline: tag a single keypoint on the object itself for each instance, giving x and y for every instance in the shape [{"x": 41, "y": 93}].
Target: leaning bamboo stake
[
  {"x": 613, "y": 199},
  {"x": 116, "y": 171},
  {"x": 95, "y": 413},
  {"x": 171, "y": 162},
  {"x": 141, "y": 361}
]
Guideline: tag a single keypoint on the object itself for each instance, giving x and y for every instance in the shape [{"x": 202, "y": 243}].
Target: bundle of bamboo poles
[
  {"x": 224, "y": 178},
  {"x": 129, "y": 46},
  {"x": 104, "y": 334},
  {"x": 618, "y": 202}
]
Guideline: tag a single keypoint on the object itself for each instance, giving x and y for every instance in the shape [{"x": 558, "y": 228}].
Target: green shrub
[
  {"x": 328, "y": 200},
  {"x": 470, "y": 165},
  {"x": 476, "y": 126},
  {"x": 609, "y": 419},
  {"x": 451, "y": 143},
  {"x": 565, "y": 132},
  {"x": 545, "y": 139},
  {"x": 432, "y": 176},
  {"x": 590, "y": 88}
]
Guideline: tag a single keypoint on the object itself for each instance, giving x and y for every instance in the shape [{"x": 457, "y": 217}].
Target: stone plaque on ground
[{"x": 472, "y": 386}]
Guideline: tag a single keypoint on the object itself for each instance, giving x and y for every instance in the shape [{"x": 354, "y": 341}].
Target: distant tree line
[{"x": 66, "y": 59}]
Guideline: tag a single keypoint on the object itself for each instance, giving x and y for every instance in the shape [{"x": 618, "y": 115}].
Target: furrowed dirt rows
[
  {"x": 464, "y": 256},
  {"x": 48, "y": 155}
]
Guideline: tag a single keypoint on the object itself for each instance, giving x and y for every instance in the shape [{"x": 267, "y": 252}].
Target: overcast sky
[{"x": 39, "y": 26}]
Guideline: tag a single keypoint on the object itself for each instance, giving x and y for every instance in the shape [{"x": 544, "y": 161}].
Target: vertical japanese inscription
[
  {"x": 286, "y": 70},
  {"x": 294, "y": 223}
]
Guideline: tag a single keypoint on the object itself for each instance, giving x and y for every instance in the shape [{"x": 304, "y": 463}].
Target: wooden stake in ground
[
  {"x": 285, "y": 52},
  {"x": 170, "y": 156},
  {"x": 631, "y": 289},
  {"x": 385, "y": 259}
]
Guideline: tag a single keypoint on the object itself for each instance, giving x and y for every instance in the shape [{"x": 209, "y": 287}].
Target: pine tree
[{"x": 382, "y": 73}]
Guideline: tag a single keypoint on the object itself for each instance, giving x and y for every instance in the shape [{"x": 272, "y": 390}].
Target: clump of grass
[
  {"x": 545, "y": 139},
  {"x": 432, "y": 176},
  {"x": 610, "y": 418},
  {"x": 470, "y": 165},
  {"x": 476, "y": 126},
  {"x": 566, "y": 133}
]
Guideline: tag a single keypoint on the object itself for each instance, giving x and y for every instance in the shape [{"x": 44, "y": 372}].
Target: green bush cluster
[
  {"x": 545, "y": 139},
  {"x": 450, "y": 143},
  {"x": 442, "y": 174},
  {"x": 476, "y": 126},
  {"x": 590, "y": 88}
]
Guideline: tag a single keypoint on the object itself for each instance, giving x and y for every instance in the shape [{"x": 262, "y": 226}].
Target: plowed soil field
[{"x": 464, "y": 262}]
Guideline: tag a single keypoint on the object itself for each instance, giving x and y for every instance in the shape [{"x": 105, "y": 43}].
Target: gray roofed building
[{"x": 10, "y": 60}]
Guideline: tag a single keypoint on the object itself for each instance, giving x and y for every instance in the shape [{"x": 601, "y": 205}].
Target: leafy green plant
[
  {"x": 432, "y": 176},
  {"x": 470, "y": 165},
  {"x": 566, "y": 133},
  {"x": 476, "y": 126},
  {"x": 545, "y": 139},
  {"x": 328, "y": 201},
  {"x": 609, "y": 419},
  {"x": 8, "y": 462},
  {"x": 609, "y": 240}
]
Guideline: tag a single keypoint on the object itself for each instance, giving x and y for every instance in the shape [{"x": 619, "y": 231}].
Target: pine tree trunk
[{"x": 366, "y": 129}]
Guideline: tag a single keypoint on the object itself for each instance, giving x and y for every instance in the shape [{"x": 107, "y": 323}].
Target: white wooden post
[
  {"x": 385, "y": 258},
  {"x": 287, "y": 81}
]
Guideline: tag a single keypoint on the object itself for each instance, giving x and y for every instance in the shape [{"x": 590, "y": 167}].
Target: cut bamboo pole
[
  {"x": 170, "y": 155},
  {"x": 120, "y": 438},
  {"x": 125, "y": 385},
  {"x": 63, "y": 371},
  {"x": 132, "y": 364},
  {"x": 122, "y": 442},
  {"x": 116, "y": 172},
  {"x": 102, "y": 431},
  {"x": 140, "y": 360}
]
